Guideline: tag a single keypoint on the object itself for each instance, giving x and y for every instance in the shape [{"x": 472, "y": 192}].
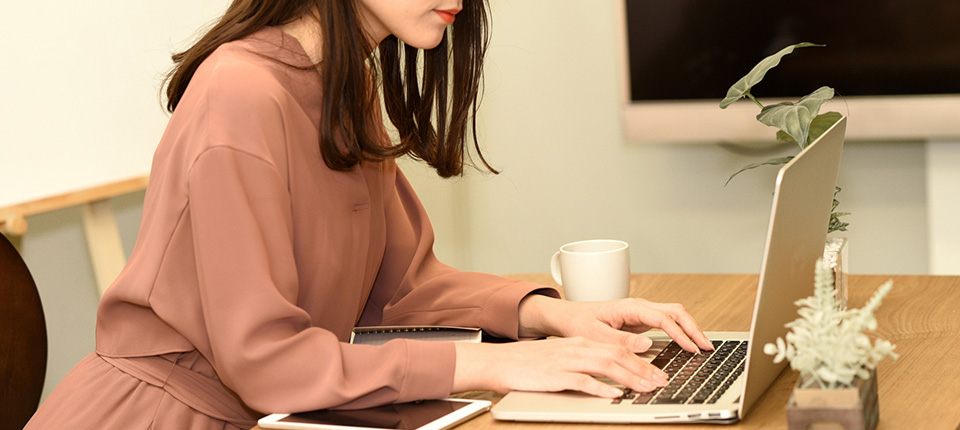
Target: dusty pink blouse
[{"x": 260, "y": 258}]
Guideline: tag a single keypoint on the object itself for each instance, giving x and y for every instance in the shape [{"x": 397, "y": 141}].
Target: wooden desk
[{"x": 921, "y": 315}]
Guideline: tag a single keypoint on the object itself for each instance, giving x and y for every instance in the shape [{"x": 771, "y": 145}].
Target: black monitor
[{"x": 895, "y": 64}]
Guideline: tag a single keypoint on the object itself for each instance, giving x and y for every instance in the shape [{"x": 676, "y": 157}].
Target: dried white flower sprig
[{"x": 827, "y": 344}]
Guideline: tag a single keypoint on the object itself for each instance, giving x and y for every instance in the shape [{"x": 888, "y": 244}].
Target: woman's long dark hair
[{"x": 416, "y": 103}]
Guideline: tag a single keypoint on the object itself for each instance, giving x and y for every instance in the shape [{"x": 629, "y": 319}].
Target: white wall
[
  {"x": 81, "y": 79},
  {"x": 550, "y": 121},
  {"x": 943, "y": 197}
]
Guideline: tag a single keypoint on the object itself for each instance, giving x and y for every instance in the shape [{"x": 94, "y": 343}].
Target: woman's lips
[{"x": 447, "y": 15}]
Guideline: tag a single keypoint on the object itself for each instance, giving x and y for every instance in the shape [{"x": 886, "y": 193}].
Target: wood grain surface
[{"x": 921, "y": 316}]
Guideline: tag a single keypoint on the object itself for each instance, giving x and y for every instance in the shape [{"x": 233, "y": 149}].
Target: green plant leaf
[
  {"x": 784, "y": 137},
  {"x": 741, "y": 88},
  {"x": 770, "y": 162},
  {"x": 835, "y": 223},
  {"x": 795, "y": 119},
  {"x": 819, "y": 125}
]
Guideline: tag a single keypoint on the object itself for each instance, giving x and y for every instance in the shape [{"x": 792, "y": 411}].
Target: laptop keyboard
[{"x": 693, "y": 378}]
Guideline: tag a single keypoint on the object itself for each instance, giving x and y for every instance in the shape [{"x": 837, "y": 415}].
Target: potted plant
[
  {"x": 800, "y": 123},
  {"x": 837, "y": 362},
  {"x": 797, "y": 122}
]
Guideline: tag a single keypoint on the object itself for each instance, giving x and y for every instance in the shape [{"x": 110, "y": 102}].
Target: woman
[{"x": 276, "y": 220}]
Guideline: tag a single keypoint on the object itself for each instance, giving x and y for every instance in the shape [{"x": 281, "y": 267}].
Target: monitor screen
[
  {"x": 695, "y": 49},
  {"x": 893, "y": 61}
]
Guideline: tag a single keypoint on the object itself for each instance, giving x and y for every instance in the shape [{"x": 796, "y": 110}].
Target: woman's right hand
[{"x": 554, "y": 364}]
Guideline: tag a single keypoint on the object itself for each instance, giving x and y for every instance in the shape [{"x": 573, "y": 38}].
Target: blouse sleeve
[
  {"x": 414, "y": 287},
  {"x": 261, "y": 344}
]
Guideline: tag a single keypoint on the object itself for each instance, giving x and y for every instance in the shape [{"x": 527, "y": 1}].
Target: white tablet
[{"x": 425, "y": 415}]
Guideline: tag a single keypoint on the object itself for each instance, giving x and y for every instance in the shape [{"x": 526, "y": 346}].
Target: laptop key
[
  {"x": 665, "y": 400},
  {"x": 660, "y": 362},
  {"x": 669, "y": 391}
]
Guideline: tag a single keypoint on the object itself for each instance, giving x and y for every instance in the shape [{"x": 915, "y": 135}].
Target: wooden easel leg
[{"x": 103, "y": 241}]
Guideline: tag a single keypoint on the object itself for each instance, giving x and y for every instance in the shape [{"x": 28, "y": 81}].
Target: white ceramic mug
[{"x": 593, "y": 270}]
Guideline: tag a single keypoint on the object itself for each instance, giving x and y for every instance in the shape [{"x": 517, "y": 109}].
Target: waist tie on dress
[{"x": 205, "y": 394}]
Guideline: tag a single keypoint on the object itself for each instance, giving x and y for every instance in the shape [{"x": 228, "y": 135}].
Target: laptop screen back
[{"x": 799, "y": 217}]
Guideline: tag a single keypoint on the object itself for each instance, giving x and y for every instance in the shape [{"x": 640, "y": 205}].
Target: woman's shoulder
[
  {"x": 263, "y": 67},
  {"x": 241, "y": 98},
  {"x": 232, "y": 75},
  {"x": 245, "y": 97}
]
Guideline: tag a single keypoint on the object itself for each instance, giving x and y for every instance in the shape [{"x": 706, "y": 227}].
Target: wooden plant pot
[{"x": 855, "y": 408}]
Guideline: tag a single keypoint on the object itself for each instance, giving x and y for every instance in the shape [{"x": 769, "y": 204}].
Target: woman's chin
[{"x": 423, "y": 42}]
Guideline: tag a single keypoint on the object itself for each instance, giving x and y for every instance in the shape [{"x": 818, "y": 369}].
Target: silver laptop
[{"x": 799, "y": 217}]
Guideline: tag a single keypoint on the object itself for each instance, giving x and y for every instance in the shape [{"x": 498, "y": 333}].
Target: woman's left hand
[{"x": 617, "y": 321}]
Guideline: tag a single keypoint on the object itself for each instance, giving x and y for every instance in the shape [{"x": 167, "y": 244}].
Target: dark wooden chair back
[{"x": 23, "y": 340}]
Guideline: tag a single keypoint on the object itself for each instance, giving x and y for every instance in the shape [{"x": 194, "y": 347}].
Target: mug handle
[{"x": 555, "y": 268}]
